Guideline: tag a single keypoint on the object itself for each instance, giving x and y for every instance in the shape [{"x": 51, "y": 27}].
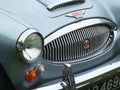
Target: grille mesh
[{"x": 79, "y": 44}]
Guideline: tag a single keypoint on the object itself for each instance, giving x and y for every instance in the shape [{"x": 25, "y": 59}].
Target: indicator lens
[{"x": 31, "y": 76}]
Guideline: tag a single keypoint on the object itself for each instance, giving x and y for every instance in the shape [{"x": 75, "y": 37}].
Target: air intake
[{"x": 53, "y": 4}]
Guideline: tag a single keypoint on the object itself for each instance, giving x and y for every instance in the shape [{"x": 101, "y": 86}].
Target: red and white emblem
[{"x": 76, "y": 14}]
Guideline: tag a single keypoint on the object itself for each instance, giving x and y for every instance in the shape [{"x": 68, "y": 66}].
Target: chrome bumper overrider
[{"x": 90, "y": 76}]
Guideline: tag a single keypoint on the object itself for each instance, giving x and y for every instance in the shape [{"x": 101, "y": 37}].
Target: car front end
[{"x": 61, "y": 45}]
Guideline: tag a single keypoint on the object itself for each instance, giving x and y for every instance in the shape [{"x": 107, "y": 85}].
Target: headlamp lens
[{"x": 32, "y": 47}]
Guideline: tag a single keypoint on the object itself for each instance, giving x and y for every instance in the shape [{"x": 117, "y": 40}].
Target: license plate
[{"x": 109, "y": 83}]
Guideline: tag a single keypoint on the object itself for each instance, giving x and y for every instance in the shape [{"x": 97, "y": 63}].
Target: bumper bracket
[{"x": 68, "y": 78}]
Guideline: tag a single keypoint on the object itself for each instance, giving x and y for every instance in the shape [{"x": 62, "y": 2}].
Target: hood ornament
[{"x": 76, "y": 14}]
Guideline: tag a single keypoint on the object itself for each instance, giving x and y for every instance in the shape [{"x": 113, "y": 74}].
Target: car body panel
[{"x": 16, "y": 16}]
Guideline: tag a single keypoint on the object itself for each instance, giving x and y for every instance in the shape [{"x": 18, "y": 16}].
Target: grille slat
[
  {"x": 70, "y": 45},
  {"x": 79, "y": 45},
  {"x": 63, "y": 48}
]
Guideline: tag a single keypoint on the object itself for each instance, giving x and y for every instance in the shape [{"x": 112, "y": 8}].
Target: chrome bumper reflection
[{"x": 90, "y": 76}]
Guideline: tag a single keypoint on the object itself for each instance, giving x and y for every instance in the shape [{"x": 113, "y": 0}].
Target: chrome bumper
[{"x": 88, "y": 77}]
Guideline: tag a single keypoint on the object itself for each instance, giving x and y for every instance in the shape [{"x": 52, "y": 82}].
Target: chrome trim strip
[
  {"x": 25, "y": 34},
  {"x": 62, "y": 2},
  {"x": 112, "y": 66},
  {"x": 73, "y": 27}
]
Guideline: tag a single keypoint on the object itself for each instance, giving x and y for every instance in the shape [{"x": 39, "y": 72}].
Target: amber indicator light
[{"x": 31, "y": 76}]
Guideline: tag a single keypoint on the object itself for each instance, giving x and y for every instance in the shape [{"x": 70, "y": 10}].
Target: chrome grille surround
[{"x": 79, "y": 43}]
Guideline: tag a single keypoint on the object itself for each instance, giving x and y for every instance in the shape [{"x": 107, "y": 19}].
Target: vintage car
[{"x": 59, "y": 44}]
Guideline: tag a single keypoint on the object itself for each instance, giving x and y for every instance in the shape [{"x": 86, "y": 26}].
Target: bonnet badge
[{"x": 76, "y": 14}]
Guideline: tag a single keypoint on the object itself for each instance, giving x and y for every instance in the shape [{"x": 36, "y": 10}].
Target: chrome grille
[{"x": 79, "y": 45}]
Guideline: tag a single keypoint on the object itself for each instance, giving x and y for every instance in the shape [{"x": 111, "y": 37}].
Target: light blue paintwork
[{"x": 18, "y": 15}]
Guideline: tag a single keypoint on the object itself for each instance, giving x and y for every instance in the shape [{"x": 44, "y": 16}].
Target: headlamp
[{"x": 29, "y": 45}]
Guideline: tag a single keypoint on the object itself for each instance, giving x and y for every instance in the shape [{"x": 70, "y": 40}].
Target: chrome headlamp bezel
[{"x": 21, "y": 47}]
